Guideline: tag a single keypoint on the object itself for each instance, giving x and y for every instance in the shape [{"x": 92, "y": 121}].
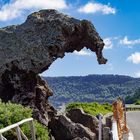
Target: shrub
[
  {"x": 137, "y": 102},
  {"x": 93, "y": 108},
  {"x": 12, "y": 113}
]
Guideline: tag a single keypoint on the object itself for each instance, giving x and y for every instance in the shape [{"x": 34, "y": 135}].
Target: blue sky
[{"x": 117, "y": 22}]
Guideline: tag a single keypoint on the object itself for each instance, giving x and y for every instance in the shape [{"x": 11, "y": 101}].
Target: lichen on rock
[{"x": 28, "y": 49}]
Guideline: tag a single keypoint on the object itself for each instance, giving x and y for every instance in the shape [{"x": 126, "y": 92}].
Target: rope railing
[{"x": 19, "y": 132}]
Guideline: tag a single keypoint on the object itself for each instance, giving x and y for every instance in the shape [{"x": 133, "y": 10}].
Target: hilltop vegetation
[
  {"x": 93, "y": 108},
  {"x": 91, "y": 88},
  {"x": 133, "y": 99}
]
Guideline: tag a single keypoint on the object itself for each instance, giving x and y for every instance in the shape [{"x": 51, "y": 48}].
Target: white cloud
[
  {"x": 82, "y": 53},
  {"x": 108, "y": 43},
  {"x": 97, "y": 7},
  {"x": 129, "y": 43},
  {"x": 137, "y": 74},
  {"x": 134, "y": 58},
  {"x": 15, "y": 8}
]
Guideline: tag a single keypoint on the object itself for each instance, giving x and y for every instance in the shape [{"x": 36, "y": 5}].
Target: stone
[
  {"x": 29, "y": 49},
  {"x": 79, "y": 116},
  {"x": 80, "y": 138},
  {"x": 62, "y": 128},
  {"x": 109, "y": 121},
  {"x": 106, "y": 133}
]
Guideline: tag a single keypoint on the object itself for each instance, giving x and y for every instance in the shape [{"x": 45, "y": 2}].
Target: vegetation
[
  {"x": 12, "y": 113},
  {"x": 91, "y": 88},
  {"x": 133, "y": 99},
  {"x": 91, "y": 108},
  {"x": 137, "y": 102}
]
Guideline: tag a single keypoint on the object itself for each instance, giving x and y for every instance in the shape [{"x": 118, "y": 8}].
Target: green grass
[
  {"x": 93, "y": 108},
  {"x": 12, "y": 113}
]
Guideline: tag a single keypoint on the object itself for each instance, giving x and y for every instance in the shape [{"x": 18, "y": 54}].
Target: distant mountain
[
  {"x": 135, "y": 99},
  {"x": 100, "y": 88}
]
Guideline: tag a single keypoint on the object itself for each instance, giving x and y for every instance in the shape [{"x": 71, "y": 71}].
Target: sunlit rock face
[{"x": 28, "y": 49}]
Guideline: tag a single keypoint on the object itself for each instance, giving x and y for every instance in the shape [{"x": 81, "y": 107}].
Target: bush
[
  {"x": 12, "y": 113},
  {"x": 137, "y": 102},
  {"x": 93, "y": 108}
]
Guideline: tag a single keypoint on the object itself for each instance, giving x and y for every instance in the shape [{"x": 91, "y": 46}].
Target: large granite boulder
[
  {"x": 62, "y": 128},
  {"x": 28, "y": 49}
]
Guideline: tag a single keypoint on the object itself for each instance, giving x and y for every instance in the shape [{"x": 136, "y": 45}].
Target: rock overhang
[
  {"x": 28, "y": 49},
  {"x": 45, "y": 36}
]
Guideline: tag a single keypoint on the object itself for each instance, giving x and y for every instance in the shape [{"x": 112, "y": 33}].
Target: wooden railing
[{"x": 19, "y": 132}]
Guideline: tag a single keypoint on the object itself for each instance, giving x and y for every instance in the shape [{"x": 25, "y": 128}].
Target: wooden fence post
[
  {"x": 1, "y": 137},
  {"x": 100, "y": 126},
  {"x": 32, "y": 130},
  {"x": 18, "y": 133}
]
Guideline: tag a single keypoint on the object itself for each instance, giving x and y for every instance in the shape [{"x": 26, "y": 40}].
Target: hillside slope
[
  {"x": 101, "y": 88},
  {"x": 135, "y": 99}
]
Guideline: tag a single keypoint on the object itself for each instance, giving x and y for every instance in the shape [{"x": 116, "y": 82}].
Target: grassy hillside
[
  {"x": 93, "y": 108},
  {"x": 100, "y": 88},
  {"x": 133, "y": 99}
]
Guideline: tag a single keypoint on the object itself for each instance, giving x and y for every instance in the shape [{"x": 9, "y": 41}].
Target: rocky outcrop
[
  {"x": 28, "y": 49},
  {"x": 63, "y": 128},
  {"x": 79, "y": 116},
  {"x": 80, "y": 138}
]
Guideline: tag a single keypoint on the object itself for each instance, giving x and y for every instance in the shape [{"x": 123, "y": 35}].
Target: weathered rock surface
[
  {"x": 63, "y": 128},
  {"x": 28, "y": 49},
  {"x": 106, "y": 133},
  {"x": 79, "y": 116},
  {"x": 80, "y": 138}
]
